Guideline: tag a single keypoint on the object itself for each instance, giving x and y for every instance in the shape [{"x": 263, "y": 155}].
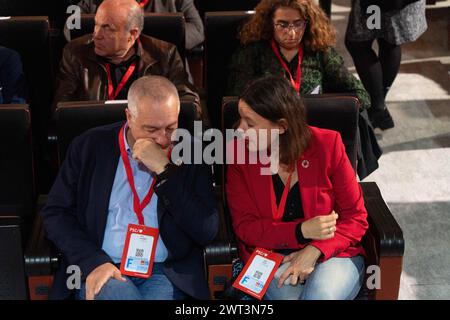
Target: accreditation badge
[
  {"x": 139, "y": 251},
  {"x": 258, "y": 272}
]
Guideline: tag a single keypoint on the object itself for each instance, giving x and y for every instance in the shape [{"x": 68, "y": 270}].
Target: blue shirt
[{"x": 121, "y": 212}]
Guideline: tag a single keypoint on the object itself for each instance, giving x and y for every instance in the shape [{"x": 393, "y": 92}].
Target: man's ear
[
  {"x": 134, "y": 34},
  {"x": 282, "y": 125},
  {"x": 129, "y": 115}
]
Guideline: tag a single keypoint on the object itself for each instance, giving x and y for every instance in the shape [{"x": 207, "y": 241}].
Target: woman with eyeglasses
[{"x": 292, "y": 38}]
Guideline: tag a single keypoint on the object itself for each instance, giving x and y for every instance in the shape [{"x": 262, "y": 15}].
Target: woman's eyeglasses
[{"x": 297, "y": 26}]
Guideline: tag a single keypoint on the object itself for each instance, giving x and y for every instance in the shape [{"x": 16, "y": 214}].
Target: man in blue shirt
[{"x": 92, "y": 204}]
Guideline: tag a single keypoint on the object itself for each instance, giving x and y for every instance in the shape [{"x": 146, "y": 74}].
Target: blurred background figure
[
  {"x": 12, "y": 79},
  {"x": 401, "y": 21}
]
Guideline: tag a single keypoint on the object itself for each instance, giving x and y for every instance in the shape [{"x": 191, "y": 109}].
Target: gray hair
[
  {"x": 135, "y": 19},
  {"x": 156, "y": 88}
]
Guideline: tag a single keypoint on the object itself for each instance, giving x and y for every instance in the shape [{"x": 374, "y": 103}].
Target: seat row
[{"x": 31, "y": 259}]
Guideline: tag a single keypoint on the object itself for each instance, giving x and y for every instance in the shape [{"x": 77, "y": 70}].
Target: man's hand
[
  {"x": 320, "y": 227},
  {"x": 150, "y": 154},
  {"x": 99, "y": 276},
  {"x": 302, "y": 264}
]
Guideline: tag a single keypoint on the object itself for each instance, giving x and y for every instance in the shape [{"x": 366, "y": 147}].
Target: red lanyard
[
  {"x": 138, "y": 207},
  {"x": 277, "y": 212},
  {"x": 296, "y": 84},
  {"x": 111, "y": 94},
  {"x": 143, "y": 3}
]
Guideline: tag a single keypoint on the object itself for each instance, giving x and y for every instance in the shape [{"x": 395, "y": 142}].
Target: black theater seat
[
  {"x": 54, "y": 9},
  {"x": 204, "y": 6},
  {"x": 30, "y": 37},
  {"x": 221, "y": 30},
  {"x": 16, "y": 165},
  {"x": 16, "y": 197}
]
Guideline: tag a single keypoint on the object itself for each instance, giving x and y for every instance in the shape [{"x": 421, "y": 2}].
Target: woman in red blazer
[{"x": 319, "y": 221}]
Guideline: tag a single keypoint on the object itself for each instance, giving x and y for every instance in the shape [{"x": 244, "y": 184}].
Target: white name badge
[
  {"x": 139, "y": 251},
  {"x": 258, "y": 272}
]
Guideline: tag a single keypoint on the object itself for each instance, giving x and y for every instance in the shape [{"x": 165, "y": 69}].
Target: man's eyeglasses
[{"x": 297, "y": 26}]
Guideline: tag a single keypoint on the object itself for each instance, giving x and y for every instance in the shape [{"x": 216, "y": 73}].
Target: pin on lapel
[{"x": 305, "y": 164}]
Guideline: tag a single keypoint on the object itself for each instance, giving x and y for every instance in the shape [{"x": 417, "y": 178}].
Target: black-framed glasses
[{"x": 297, "y": 26}]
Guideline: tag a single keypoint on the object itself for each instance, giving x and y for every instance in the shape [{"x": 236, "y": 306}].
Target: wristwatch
[{"x": 168, "y": 170}]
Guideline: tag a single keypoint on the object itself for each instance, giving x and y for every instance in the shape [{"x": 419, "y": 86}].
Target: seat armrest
[
  {"x": 196, "y": 51},
  {"x": 384, "y": 245},
  {"x": 382, "y": 224},
  {"x": 220, "y": 252},
  {"x": 12, "y": 279},
  {"x": 41, "y": 256},
  {"x": 218, "y": 258}
]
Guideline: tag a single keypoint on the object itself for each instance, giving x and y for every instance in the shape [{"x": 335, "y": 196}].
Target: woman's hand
[
  {"x": 320, "y": 227},
  {"x": 302, "y": 264}
]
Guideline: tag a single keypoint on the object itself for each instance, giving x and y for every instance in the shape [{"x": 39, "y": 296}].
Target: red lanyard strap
[
  {"x": 296, "y": 84},
  {"x": 277, "y": 212},
  {"x": 143, "y": 3},
  {"x": 138, "y": 207},
  {"x": 111, "y": 94}
]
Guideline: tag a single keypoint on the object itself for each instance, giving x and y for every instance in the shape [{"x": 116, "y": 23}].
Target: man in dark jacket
[
  {"x": 103, "y": 65},
  {"x": 101, "y": 191}
]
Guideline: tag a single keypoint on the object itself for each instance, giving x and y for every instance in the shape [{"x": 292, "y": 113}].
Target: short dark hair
[{"x": 274, "y": 98}]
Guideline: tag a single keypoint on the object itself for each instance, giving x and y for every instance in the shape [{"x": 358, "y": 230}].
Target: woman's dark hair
[{"x": 274, "y": 98}]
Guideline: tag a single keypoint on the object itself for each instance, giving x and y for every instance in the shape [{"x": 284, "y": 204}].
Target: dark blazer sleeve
[
  {"x": 349, "y": 204},
  {"x": 188, "y": 197},
  {"x": 61, "y": 219}
]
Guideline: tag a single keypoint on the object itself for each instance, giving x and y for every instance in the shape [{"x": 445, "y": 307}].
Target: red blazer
[{"x": 327, "y": 183}]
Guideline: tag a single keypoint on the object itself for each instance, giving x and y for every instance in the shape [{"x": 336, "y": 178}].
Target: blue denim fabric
[
  {"x": 157, "y": 287},
  {"x": 334, "y": 279}
]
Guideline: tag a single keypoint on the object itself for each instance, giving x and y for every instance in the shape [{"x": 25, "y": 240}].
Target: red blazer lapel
[
  {"x": 308, "y": 167},
  {"x": 261, "y": 185}
]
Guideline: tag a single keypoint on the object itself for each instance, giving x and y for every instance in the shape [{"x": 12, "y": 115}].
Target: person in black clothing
[
  {"x": 12, "y": 79},
  {"x": 401, "y": 21}
]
